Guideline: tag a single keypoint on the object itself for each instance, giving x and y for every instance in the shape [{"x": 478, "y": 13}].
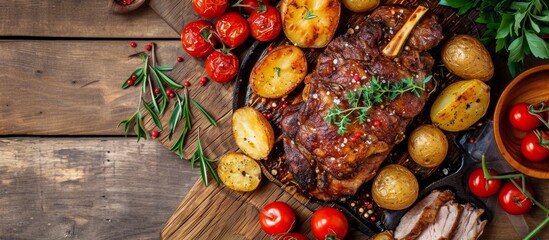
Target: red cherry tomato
[
  {"x": 329, "y": 222},
  {"x": 521, "y": 119},
  {"x": 479, "y": 187},
  {"x": 532, "y": 150},
  {"x": 232, "y": 29},
  {"x": 221, "y": 67},
  {"x": 277, "y": 218},
  {"x": 265, "y": 25},
  {"x": 513, "y": 201},
  {"x": 197, "y": 39},
  {"x": 253, "y": 4},
  {"x": 210, "y": 8},
  {"x": 292, "y": 236}
]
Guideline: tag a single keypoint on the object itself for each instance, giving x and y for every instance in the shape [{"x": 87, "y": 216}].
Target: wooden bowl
[{"x": 531, "y": 86}]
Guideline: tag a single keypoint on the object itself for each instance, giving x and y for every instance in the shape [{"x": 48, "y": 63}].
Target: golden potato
[
  {"x": 395, "y": 187},
  {"x": 310, "y": 23},
  {"x": 385, "y": 235},
  {"x": 460, "y": 105},
  {"x": 427, "y": 146},
  {"x": 239, "y": 172},
  {"x": 360, "y": 5},
  {"x": 279, "y": 72},
  {"x": 252, "y": 133},
  {"x": 466, "y": 57}
]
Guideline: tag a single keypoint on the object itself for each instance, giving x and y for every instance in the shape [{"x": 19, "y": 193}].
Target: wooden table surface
[{"x": 66, "y": 170}]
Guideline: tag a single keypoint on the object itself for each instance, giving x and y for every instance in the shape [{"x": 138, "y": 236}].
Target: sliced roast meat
[
  {"x": 470, "y": 225},
  {"x": 413, "y": 223},
  {"x": 445, "y": 223}
]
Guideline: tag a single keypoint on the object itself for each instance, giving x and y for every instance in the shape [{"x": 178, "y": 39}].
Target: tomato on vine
[
  {"x": 232, "y": 29},
  {"x": 221, "y": 65},
  {"x": 480, "y": 187},
  {"x": 210, "y": 8},
  {"x": 535, "y": 146},
  {"x": 196, "y": 38},
  {"x": 329, "y": 223},
  {"x": 248, "y": 6},
  {"x": 521, "y": 119},
  {"x": 265, "y": 23},
  {"x": 513, "y": 201},
  {"x": 277, "y": 218}
]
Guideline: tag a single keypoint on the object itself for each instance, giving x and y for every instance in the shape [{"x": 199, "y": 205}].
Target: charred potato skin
[
  {"x": 315, "y": 32},
  {"x": 466, "y": 57},
  {"x": 239, "y": 172},
  {"x": 460, "y": 105},
  {"x": 428, "y": 146},
  {"x": 395, "y": 187},
  {"x": 279, "y": 72},
  {"x": 252, "y": 133}
]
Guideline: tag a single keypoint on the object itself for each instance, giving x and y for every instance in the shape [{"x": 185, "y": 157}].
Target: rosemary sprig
[
  {"x": 522, "y": 188},
  {"x": 364, "y": 98},
  {"x": 204, "y": 163},
  {"x": 137, "y": 121}
]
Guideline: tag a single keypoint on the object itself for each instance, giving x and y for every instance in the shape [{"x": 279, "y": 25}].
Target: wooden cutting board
[{"x": 215, "y": 212}]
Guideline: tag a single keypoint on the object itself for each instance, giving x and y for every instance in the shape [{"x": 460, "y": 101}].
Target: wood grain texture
[
  {"x": 88, "y": 188},
  {"x": 176, "y": 13},
  {"x": 70, "y": 87},
  {"x": 58, "y": 18}
]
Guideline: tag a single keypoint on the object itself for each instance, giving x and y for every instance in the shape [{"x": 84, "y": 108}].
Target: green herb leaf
[
  {"x": 516, "y": 52},
  {"x": 505, "y": 26},
  {"x": 204, "y": 112},
  {"x": 538, "y": 46},
  {"x": 167, "y": 80},
  {"x": 154, "y": 117},
  {"x": 277, "y": 71},
  {"x": 176, "y": 116},
  {"x": 309, "y": 15},
  {"x": 164, "y": 68}
]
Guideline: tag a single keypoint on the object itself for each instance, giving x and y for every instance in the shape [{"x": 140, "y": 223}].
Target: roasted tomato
[
  {"x": 534, "y": 146},
  {"x": 513, "y": 201},
  {"x": 480, "y": 187},
  {"x": 197, "y": 39},
  {"x": 221, "y": 66},
  {"x": 277, "y": 218},
  {"x": 292, "y": 236},
  {"x": 521, "y": 119},
  {"x": 232, "y": 29},
  {"x": 328, "y": 222},
  {"x": 251, "y": 5},
  {"x": 210, "y": 8},
  {"x": 265, "y": 23}
]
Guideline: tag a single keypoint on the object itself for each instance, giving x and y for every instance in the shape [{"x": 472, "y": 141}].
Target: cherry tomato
[
  {"x": 221, "y": 67},
  {"x": 329, "y": 222},
  {"x": 532, "y": 150},
  {"x": 210, "y": 8},
  {"x": 521, "y": 119},
  {"x": 292, "y": 236},
  {"x": 513, "y": 201},
  {"x": 265, "y": 24},
  {"x": 479, "y": 187},
  {"x": 232, "y": 29},
  {"x": 277, "y": 218},
  {"x": 197, "y": 39},
  {"x": 253, "y": 4}
]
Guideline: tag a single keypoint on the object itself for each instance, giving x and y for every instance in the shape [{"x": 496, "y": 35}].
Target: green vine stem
[{"x": 523, "y": 190}]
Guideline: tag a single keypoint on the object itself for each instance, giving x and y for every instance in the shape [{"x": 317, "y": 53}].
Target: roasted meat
[
  {"x": 328, "y": 165},
  {"x": 470, "y": 225},
  {"x": 423, "y": 214},
  {"x": 446, "y": 222}
]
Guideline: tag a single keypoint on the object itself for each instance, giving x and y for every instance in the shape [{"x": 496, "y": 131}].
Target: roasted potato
[
  {"x": 395, "y": 187},
  {"x": 360, "y": 5},
  {"x": 252, "y": 133},
  {"x": 279, "y": 72},
  {"x": 310, "y": 23},
  {"x": 460, "y": 105},
  {"x": 385, "y": 235},
  {"x": 427, "y": 146},
  {"x": 239, "y": 172},
  {"x": 466, "y": 57}
]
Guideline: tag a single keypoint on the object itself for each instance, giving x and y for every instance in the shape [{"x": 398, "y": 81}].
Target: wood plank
[
  {"x": 88, "y": 188},
  {"x": 70, "y": 87},
  {"x": 176, "y": 13},
  {"x": 58, "y": 18}
]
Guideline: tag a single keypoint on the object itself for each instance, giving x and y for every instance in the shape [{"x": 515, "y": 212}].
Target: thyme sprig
[
  {"x": 522, "y": 188},
  {"x": 362, "y": 99}
]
